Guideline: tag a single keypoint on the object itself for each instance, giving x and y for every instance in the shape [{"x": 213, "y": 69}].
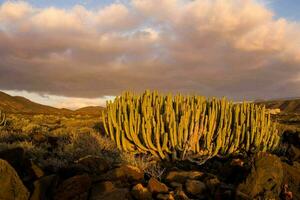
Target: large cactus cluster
[
  {"x": 187, "y": 125},
  {"x": 2, "y": 119}
]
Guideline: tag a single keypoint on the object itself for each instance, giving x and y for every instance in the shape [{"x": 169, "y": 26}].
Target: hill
[
  {"x": 90, "y": 110},
  {"x": 18, "y": 104},
  {"x": 285, "y": 105}
]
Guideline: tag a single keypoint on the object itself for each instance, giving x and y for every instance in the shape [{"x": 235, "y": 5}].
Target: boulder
[
  {"x": 101, "y": 188},
  {"x": 265, "y": 178},
  {"x": 162, "y": 196},
  {"x": 180, "y": 195},
  {"x": 76, "y": 187},
  {"x": 119, "y": 194},
  {"x": 93, "y": 164},
  {"x": 292, "y": 178},
  {"x": 123, "y": 173},
  {"x": 140, "y": 192},
  {"x": 11, "y": 187},
  {"x": 43, "y": 188},
  {"x": 195, "y": 187},
  {"x": 293, "y": 153},
  {"x": 212, "y": 184},
  {"x": 182, "y": 176},
  {"x": 154, "y": 186}
]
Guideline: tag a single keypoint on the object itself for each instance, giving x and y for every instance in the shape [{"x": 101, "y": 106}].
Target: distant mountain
[
  {"x": 288, "y": 105},
  {"x": 90, "y": 110},
  {"x": 18, "y": 104}
]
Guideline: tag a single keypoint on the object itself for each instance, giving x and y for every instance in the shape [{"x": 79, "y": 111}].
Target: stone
[
  {"x": 76, "y": 187},
  {"x": 195, "y": 187},
  {"x": 11, "y": 187},
  {"x": 176, "y": 185},
  {"x": 180, "y": 195},
  {"x": 99, "y": 189},
  {"x": 124, "y": 173},
  {"x": 165, "y": 196},
  {"x": 293, "y": 153},
  {"x": 182, "y": 176},
  {"x": 93, "y": 164},
  {"x": 212, "y": 184},
  {"x": 292, "y": 178},
  {"x": 154, "y": 186},
  {"x": 117, "y": 194},
  {"x": 140, "y": 192},
  {"x": 43, "y": 187},
  {"x": 265, "y": 178}
]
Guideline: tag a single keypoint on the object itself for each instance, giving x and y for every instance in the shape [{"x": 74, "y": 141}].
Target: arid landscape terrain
[
  {"x": 149, "y": 100},
  {"x": 50, "y": 153}
]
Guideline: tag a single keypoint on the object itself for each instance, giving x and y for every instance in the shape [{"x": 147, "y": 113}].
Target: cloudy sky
[{"x": 76, "y": 53}]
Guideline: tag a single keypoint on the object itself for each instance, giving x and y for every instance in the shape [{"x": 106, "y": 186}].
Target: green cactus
[{"x": 167, "y": 125}]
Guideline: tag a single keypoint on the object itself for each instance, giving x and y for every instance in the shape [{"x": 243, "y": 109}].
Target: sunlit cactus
[{"x": 176, "y": 126}]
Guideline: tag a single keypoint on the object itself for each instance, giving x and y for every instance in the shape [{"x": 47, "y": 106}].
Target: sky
[{"x": 79, "y": 53}]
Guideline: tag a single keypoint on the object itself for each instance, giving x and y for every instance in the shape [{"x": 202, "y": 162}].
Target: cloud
[{"x": 230, "y": 48}]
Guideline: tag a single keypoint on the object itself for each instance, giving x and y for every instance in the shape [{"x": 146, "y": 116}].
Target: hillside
[
  {"x": 17, "y": 104},
  {"x": 288, "y": 106},
  {"x": 90, "y": 110}
]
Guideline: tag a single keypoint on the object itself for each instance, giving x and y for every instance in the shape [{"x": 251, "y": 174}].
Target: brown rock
[
  {"x": 182, "y": 176},
  {"x": 117, "y": 194},
  {"x": 140, "y": 192},
  {"x": 76, "y": 187},
  {"x": 155, "y": 186},
  {"x": 265, "y": 178},
  {"x": 11, "y": 187},
  {"x": 212, "y": 184},
  {"x": 99, "y": 189},
  {"x": 93, "y": 164},
  {"x": 195, "y": 187},
  {"x": 43, "y": 187},
  {"x": 176, "y": 185},
  {"x": 292, "y": 178},
  {"x": 165, "y": 197},
  {"x": 180, "y": 195},
  {"x": 124, "y": 173}
]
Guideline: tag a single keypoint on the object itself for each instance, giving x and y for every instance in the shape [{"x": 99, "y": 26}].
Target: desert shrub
[{"x": 187, "y": 125}]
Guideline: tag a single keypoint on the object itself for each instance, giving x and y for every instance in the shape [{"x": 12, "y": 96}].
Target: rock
[
  {"x": 154, "y": 186},
  {"x": 43, "y": 187},
  {"x": 93, "y": 164},
  {"x": 27, "y": 170},
  {"x": 242, "y": 196},
  {"x": 36, "y": 171},
  {"x": 76, "y": 187},
  {"x": 124, "y": 173},
  {"x": 182, "y": 176},
  {"x": 180, "y": 195},
  {"x": 99, "y": 189},
  {"x": 140, "y": 192},
  {"x": 293, "y": 153},
  {"x": 292, "y": 178},
  {"x": 119, "y": 194},
  {"x": 212, "y": 184},
  {"x": 165, "y": 197},
  {"x": 176, "y": 185},
  {"x": 195, "y": 187},
  {"x": 292, "y": 137},
  {"x": 11, "y": 187},
  {"x": 265, "y": 178}
]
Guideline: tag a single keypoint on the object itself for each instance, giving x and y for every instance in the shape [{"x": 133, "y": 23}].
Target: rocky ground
[{"x": 255, "y": 176}]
